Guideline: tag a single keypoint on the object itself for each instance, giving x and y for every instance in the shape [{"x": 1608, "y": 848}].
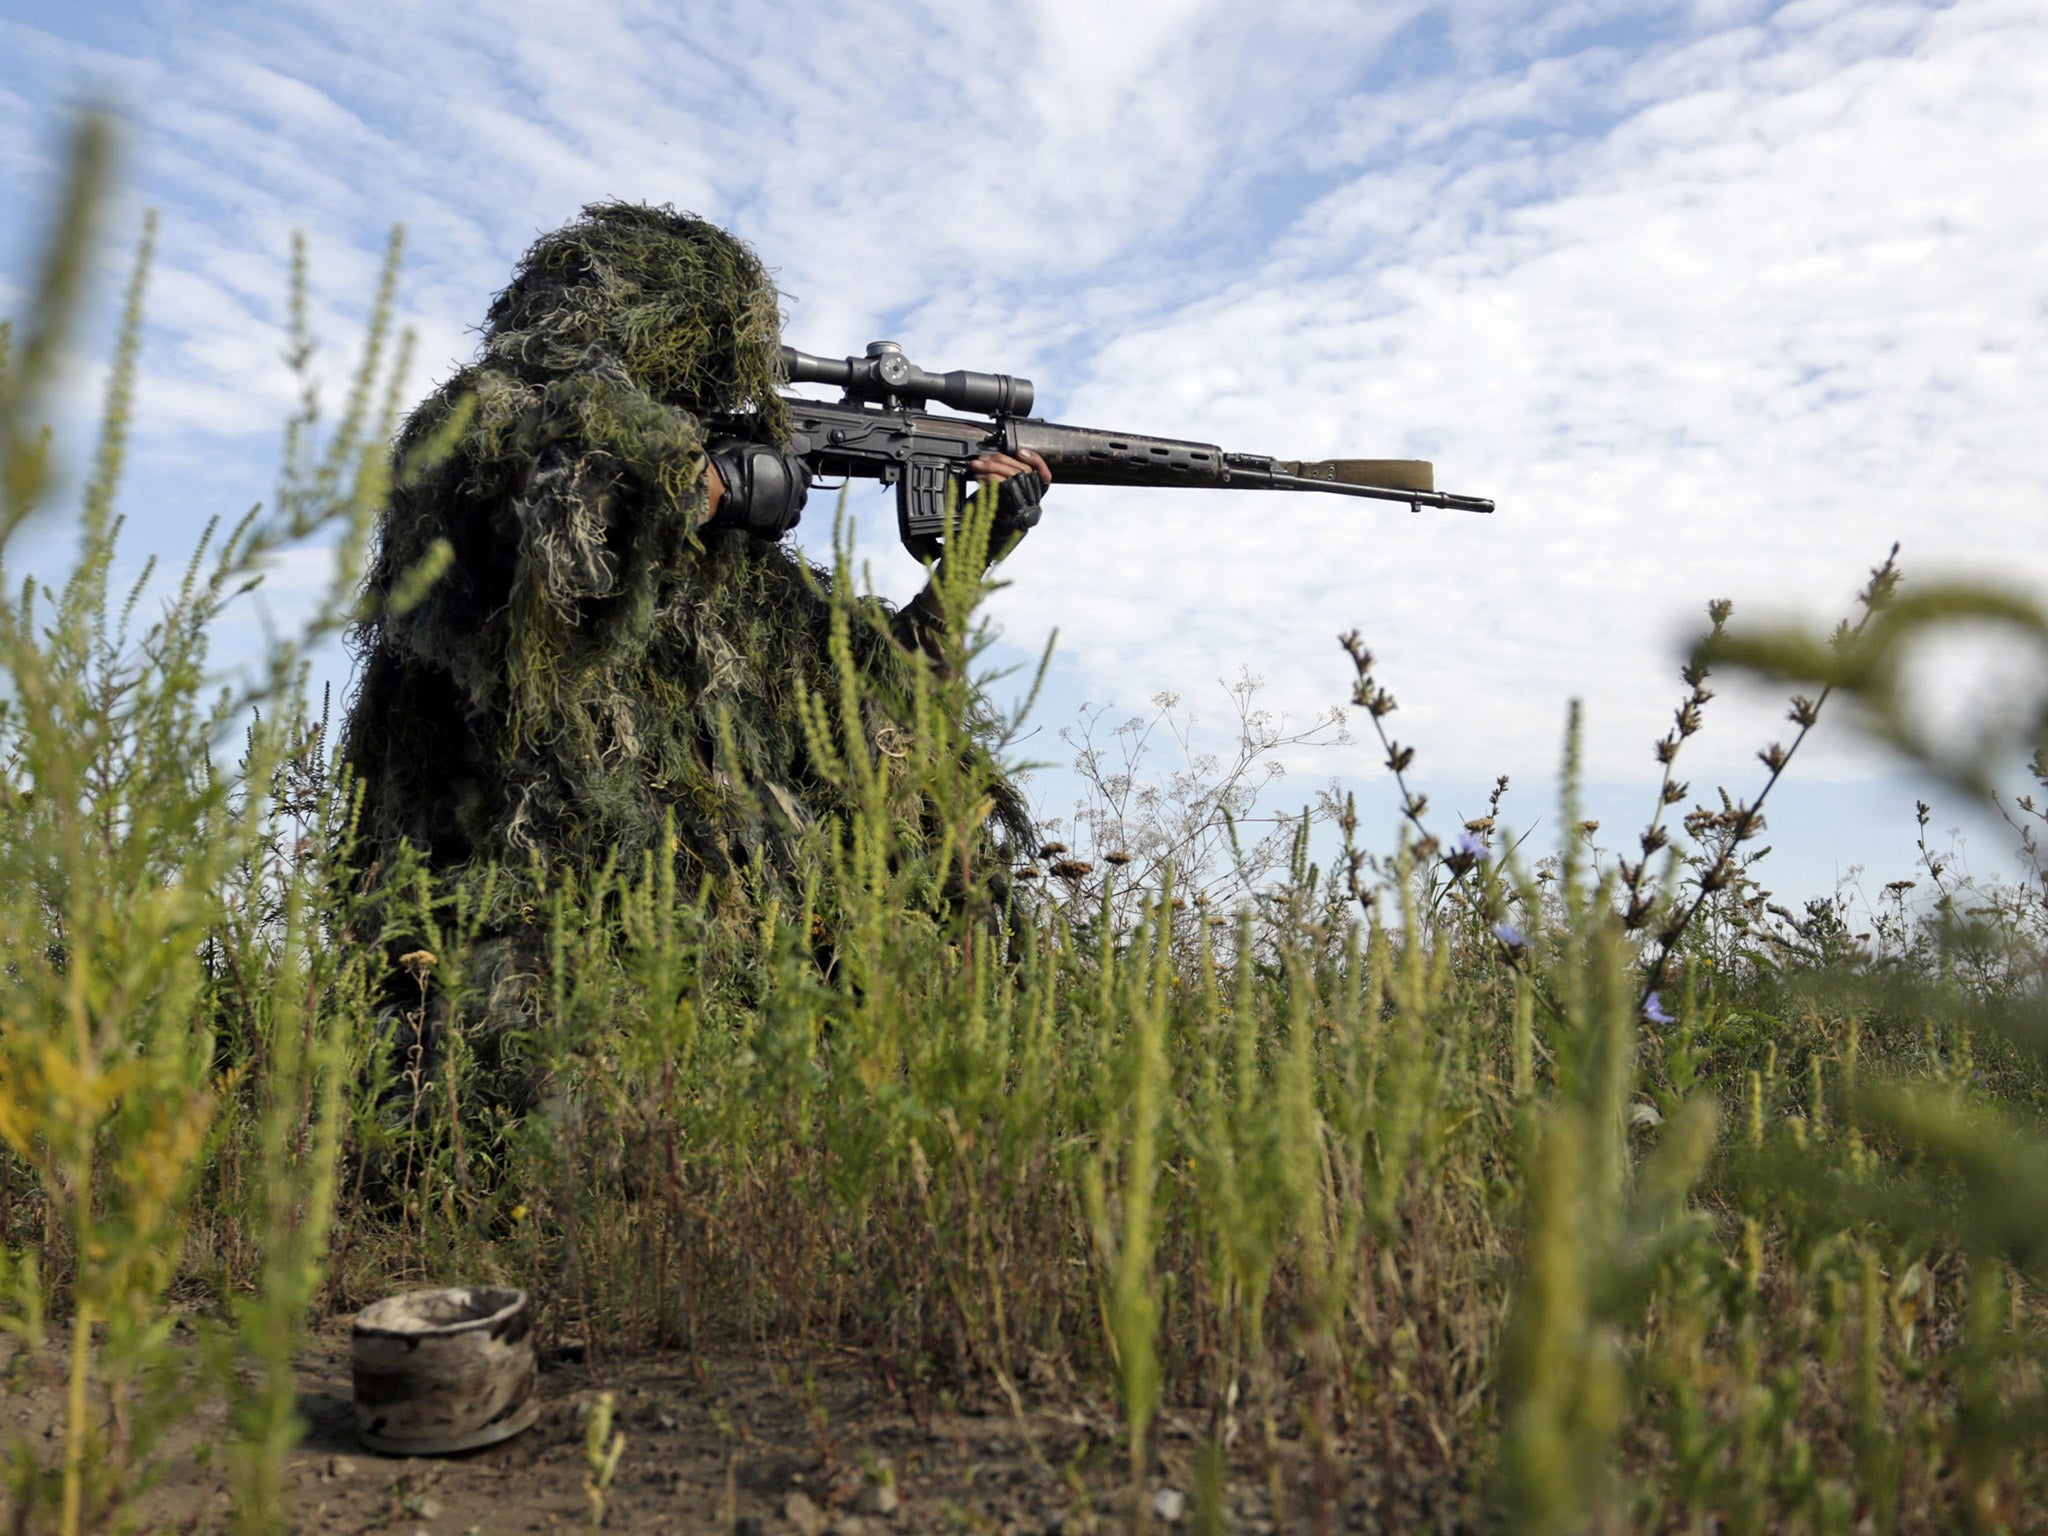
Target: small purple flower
[
  {"x": 1653, "y": 1010},
  {"x": 1471, "y": 846},
  {"x": 1510, "y": 935}
]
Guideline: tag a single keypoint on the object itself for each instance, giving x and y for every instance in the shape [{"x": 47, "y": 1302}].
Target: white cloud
[
  {"x": 1785, "y": 311},
  {"x": 18, "y": 154}
]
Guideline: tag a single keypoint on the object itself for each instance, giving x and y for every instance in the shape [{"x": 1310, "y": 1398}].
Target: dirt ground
[{"x": 739, "y": 1446}]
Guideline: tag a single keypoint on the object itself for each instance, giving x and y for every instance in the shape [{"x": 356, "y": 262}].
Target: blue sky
[{"x": 1716, "y": 299}]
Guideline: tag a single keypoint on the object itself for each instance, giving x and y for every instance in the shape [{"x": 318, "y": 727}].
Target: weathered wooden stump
[{"x": 443, "y": 1371}]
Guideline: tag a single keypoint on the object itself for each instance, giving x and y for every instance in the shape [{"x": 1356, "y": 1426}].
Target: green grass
[{"x": 1522, "y": 1192}]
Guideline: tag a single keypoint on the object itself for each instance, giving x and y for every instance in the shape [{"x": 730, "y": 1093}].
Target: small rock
[
  {"x": 341, "y": 1466},
  {"x": 879, "y": 1499},
  {"x": 800, "y": 1511},
  {"x": 666, "y": 1421},
  {"x": 427, "y": 1509},
  {"x": 1169, "y": 1504}
]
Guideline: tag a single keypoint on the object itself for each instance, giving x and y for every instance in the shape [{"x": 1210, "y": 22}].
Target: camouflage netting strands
[{"x": 560, "y": 688}]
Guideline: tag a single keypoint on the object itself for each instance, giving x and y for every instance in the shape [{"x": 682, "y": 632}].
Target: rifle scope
[{"x": 889, "y": 378}]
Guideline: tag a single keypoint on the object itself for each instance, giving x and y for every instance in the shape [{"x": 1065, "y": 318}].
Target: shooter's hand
[
  {"x": 1020, "y": 483},
  {"x": 755, "y": 487}
]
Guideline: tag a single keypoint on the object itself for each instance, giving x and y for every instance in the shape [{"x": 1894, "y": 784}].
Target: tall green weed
[{"x": 168, "y": 1005}]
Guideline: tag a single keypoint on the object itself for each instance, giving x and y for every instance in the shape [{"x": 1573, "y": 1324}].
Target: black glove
[
  {"x": 1017, "y": 508},
  {"x": 765, "y": 488}
]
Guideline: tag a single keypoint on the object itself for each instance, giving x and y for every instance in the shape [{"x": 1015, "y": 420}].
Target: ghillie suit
[{"x": 590, "y": 666}]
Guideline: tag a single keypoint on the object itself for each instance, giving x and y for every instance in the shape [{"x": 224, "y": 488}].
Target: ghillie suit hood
[{"x": 589, "y": 664}]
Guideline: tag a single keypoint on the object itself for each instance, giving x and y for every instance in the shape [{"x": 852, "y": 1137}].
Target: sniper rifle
[{"x": 877, "y": 431}]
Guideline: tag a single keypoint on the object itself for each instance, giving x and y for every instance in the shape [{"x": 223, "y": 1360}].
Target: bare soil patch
[{"x": 735, "y": 1443}]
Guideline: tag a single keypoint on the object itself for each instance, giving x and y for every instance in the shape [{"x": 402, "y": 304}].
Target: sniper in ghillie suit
[
  {"x": 586, "y": 640},
  {"x": 586, "y": 643}
]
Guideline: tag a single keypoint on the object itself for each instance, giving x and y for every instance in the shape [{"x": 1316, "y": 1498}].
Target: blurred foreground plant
[
  {"x": 159, "y": 940},
  {"x": 1973, "y": 1171}
]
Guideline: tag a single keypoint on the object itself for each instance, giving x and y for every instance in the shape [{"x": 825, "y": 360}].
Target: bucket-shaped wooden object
[{"x": 443, "y": 1371}]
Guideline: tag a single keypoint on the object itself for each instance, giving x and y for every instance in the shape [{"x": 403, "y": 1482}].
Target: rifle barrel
[
  {"x": 1417, "y": 500},
  {"x": 1094, "y": 456}
]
